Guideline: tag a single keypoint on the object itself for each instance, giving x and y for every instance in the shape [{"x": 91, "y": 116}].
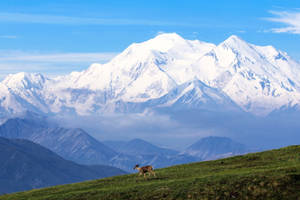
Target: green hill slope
[{"x": 268, "y": 175}]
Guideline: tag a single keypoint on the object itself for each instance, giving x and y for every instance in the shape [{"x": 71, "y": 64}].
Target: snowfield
[{"x": 166, "y": 71}]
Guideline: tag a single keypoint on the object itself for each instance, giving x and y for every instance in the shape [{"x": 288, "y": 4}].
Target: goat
[{"x": 144, "y": 170}]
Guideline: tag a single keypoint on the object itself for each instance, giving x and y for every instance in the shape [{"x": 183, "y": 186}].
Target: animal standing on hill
[{"x": 144, "y": 170}]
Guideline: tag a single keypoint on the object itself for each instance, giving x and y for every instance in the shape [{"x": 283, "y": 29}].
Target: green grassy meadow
[{"x": 272, "y": 174}]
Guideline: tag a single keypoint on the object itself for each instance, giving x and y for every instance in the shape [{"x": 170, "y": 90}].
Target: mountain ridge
[
  {"x": 258, "y": 79},
  {"x": 26, "y": 165},
  {"x": 72, "y": 144},
  {"x": 213, "y": 147}
]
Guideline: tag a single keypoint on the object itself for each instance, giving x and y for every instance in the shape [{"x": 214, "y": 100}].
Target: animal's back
[{"x": 147, "y": 168}]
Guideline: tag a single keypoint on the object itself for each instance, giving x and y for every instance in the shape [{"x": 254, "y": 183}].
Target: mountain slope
[
  {"x": 252, "y": 75},
  {"x": 256, "y": 79},
  {"x": 23, "y": 92},
  {"x": 72, "y": 144},
  {"x": 138, "y": 147},
  {"x": 266, "y": 175},
  {"x": 26, "y": 165},
  {"x": 213, "y": 147}
]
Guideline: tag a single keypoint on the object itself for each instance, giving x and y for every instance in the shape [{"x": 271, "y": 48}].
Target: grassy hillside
[{"x": 268, "y": 175}]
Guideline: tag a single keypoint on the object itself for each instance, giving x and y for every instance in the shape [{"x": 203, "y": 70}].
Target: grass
[{"x": 272, "y": 174}]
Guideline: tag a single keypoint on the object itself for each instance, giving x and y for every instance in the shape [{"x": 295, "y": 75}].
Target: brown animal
[{"x": 144, "y": 170}]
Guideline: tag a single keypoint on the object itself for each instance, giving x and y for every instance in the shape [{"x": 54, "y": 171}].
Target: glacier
[{"x": 166, "y": 72}]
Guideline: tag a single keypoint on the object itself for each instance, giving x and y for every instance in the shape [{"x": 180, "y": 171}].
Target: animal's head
[{"x": 136, "y": 166}]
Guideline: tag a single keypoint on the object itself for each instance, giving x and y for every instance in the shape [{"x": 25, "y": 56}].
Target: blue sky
[{"x": 59, "y": 36}]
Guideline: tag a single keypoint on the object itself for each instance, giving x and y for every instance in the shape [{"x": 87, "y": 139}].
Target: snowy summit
[{"x": 166, "y": 71}]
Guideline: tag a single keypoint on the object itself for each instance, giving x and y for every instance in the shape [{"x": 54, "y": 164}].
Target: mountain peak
[
  {"x": 23, "y": 76},
  {"x": 213, "y": 147},
  {"x": 235, "y": 42},
  {"x": 23, "y": 79},
  {"x": 234, "y": 38},
  {"x": 164, "y": 42},
  {"x": 138, "y": 141},
  {"x": 169, "y": 36}
]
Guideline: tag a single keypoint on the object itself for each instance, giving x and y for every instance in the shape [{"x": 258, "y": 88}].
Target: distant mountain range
[
  {"x": 78, "y": 146},
  {"x": 138, "y": 151},
  {"x": 166, "y": 71},
  {"x": 71, "y": 144},
  {"x": 26, "y": 165},
  {"x": 143, "y": 152}
]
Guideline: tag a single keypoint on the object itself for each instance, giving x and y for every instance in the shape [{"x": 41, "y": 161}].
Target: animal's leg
[{"x": 153, "y": 173}]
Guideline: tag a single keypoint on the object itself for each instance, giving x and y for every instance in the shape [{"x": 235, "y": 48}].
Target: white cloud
[
  {"x": 55, "y": 57},
  {"x": 290, "y": 19},
  {"x": 49, "y": 63}
]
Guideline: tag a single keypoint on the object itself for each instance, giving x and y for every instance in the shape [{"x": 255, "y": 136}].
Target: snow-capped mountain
[{"x": 166, "y": 71}]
